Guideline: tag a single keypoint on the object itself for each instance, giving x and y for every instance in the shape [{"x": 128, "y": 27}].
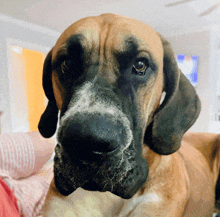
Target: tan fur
[
  {"x": 58, "y": 90},
  {"x": 103, "y": 39},
  {"x": 183, "y": 181},
  {"x": 180, "y": 184}
]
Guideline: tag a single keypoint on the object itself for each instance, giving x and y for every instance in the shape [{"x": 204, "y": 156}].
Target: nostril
[
  {"x": 101, "y": 146},
  {"x": 84, "y": 135},
  {"x": 87, "y": 148},
  {"x": 88, "y": 144}
]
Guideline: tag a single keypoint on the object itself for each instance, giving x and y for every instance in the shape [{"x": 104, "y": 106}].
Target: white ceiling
[{"x": 59, "y": 14}]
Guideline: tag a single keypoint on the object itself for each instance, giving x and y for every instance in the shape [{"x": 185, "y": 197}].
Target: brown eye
[
  {"x": 140, "y": 66},
  {"x": 65, "y": 66}
]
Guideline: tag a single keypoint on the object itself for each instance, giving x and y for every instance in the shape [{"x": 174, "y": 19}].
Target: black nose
[{"x": 89, "y": 136}]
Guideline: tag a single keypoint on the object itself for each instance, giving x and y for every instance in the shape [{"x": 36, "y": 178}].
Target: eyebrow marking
[
  {"x": 128, "y": 52},
  {"x": 72, "y": 48},
  {"x": 131, "y": 45}
]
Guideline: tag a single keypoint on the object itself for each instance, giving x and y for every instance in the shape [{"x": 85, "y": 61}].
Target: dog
[
  {"x": 202, "y": 156},
  {"x": 118, "y": 141}
]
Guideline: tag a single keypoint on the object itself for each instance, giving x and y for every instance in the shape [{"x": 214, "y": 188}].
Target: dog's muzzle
[
  {"x": 98, "y": 148},
  {"x": 90, "y": 136}
]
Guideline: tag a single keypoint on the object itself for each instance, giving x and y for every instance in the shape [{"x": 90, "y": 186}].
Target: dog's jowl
[{"x": 106, "y": 75}]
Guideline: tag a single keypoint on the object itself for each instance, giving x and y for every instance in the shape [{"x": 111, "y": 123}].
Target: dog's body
[
  {"x": 180, "y": 184},
  {"x": 106, "y": 75}
]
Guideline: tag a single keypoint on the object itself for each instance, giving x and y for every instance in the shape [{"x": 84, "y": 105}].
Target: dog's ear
[
  {"x": 48, "y": 121},
  {"x": 178, "y": 111}
]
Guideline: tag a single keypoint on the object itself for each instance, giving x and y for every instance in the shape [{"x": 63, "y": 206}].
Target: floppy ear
[
  {"x": 178, "y": 111},
  {"x": 48, "y": 121}
]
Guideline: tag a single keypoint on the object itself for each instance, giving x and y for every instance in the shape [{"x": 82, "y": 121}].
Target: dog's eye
[
  {"x": 65, "y": 66},
  {"x": 140, "y": 66}
]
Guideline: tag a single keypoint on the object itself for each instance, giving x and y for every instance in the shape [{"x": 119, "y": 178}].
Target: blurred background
[{"x": 30, "y": 28}]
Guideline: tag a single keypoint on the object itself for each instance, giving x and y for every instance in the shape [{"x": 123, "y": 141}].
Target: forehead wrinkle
[{"x": 107, "y": 66}]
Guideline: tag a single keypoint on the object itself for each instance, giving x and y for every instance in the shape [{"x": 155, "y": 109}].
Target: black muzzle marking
[{"x": 99, "y": 145}]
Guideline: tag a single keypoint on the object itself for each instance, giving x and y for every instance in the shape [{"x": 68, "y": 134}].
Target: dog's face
[{"x": 106, "y": 75}]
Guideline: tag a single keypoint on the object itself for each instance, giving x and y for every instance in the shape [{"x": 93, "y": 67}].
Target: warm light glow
[{"x": 36, "y": 98}]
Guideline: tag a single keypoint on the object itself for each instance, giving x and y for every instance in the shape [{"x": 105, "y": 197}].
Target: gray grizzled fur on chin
[{"x": 122, "y": 174}]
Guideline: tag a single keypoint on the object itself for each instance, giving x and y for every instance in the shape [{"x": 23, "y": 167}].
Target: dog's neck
[{"x": 157, "y": 164}]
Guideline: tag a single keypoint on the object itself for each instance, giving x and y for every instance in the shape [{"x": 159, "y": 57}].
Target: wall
[
  {"x": 200, "y": 43},
  {"x": 214, "y": 79},
  {"x": 18, "y": 33}
]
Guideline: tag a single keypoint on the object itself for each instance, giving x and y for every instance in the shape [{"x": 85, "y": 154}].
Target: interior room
[
  {"x": 191, "y": 27},
  {"x": 30, "y": 28}
]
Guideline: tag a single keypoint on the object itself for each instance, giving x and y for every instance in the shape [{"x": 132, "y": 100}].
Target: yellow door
[{"x": 35, "y": 95}]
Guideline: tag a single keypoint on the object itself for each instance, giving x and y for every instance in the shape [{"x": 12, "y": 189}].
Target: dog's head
[{"x": 106, "y": 75}]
